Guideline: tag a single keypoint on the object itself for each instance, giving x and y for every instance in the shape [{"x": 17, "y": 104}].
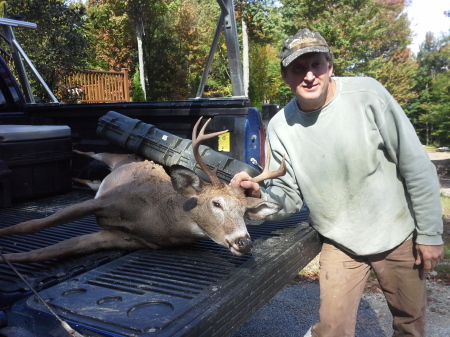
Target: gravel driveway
[{"x": 294, "y": 309}]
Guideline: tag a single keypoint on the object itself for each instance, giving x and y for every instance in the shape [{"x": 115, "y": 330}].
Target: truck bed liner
[
  {"x": 43, "y": 275},
  {"x": 197, "y": 290}
]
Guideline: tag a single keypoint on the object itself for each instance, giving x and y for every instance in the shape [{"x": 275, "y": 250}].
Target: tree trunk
[
  {"x": 141, "y": 61},
  {"x": 245, "y": 61}
]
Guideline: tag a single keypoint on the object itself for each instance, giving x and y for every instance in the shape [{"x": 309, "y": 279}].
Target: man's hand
[
  {"x": 242, "y": 180},
  {"x": 429, "y": 256}
]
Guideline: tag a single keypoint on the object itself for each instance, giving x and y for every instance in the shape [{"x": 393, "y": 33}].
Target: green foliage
[
  {"x": 399, "y": 80},
  {"x": 367, "y": 38},
  {"x": 263, "y": 20},
  {"x": 59, "y": 43},
  {"x": 109, "y": 26},
  {"x": 433, "y": 58},
  {"x": 264, "y": 28},
  {"x": 265, "y": 77},
  {"x": 175, "y": 40},
  {"x": 180, "y": 42},
  {"x": 430, "y": 111},
  {"x": 436, "y": 105},
  {"x": 137, "y": 94}
]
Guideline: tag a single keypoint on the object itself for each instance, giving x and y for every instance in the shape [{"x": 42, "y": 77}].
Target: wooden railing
[{"x": 94, "y": 86}]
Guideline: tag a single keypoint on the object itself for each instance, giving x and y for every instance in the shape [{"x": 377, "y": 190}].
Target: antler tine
[
  {"x": 266, "y": 174},
  {"x": 196, "y": 141}
]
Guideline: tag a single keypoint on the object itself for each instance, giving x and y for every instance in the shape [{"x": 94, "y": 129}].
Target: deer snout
[
  {"x": 244, "y": 244},
  {"x": 241, "y": 245}
]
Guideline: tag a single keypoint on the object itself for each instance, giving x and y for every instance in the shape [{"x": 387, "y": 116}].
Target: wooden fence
[{"x": 94, "y": 86}]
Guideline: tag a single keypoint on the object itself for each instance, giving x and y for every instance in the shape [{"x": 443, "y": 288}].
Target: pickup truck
[{"x": 197, "y": 290}]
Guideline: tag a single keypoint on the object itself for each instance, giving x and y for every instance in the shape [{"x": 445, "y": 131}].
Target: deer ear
[
  {"x": 185, "y": 181},
  {"x": 258, "y": 209}
]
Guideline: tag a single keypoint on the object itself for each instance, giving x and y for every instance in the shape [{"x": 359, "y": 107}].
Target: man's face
[{"x": 309, "y": 78}]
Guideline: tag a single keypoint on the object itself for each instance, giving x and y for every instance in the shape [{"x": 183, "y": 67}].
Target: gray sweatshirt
[{"x": 359, "y": 166}]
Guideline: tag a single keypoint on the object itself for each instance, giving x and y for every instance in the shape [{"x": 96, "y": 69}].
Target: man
[{"x": 353, "y": 156}]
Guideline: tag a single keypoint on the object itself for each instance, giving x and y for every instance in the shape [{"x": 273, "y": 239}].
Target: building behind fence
[{"x": 95, "y": 86}]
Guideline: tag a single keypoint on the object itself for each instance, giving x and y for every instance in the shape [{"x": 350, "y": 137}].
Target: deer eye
[{"x": 216, "y": 204}]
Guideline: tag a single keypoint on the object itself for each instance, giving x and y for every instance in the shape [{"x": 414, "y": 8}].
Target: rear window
[
  {"x": 2, "y": 99},
  {"x": 9, "y": 91}
]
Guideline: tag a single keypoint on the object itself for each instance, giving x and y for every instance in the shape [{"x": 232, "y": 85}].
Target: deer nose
[{"x": 244, "y": 245}]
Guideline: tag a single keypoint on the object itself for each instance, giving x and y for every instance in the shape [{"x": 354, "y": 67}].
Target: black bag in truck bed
[{"x": 165, "y": 148}]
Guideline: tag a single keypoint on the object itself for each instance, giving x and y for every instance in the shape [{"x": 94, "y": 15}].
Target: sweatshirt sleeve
[{"x": 416, "y": 169}]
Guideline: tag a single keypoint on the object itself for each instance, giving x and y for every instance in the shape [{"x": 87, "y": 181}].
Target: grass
[
  {"x": 430, "y": 148},
  {"x": 443, "y": 268},
  {"x": 445, "y": 206},
  {"x": 311, "y": 271}
]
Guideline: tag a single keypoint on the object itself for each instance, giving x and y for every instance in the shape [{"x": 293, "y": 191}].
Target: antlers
[
  {"x": 212, "y": 174},
  {"x": 266, "y": 174},
  {"x": 196, "y": 141}
]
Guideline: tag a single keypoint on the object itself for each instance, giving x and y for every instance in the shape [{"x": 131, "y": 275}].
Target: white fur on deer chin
[{"x": 197, "y": 230}]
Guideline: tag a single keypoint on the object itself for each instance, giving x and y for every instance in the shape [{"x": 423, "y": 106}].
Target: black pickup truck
[{"x": 197, "y": 290}]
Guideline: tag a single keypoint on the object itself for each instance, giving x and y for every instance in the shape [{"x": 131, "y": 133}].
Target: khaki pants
[{"x": 342, "y": 280}]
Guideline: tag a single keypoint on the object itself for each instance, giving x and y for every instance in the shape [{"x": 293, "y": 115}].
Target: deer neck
[{"x": 176, "y": 214}]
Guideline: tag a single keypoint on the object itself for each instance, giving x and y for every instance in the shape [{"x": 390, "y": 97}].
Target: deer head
[{"x": 218, "y": 208}]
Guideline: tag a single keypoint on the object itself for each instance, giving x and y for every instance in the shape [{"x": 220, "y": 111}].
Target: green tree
[
  {"x": 433, "y": 58},
  {"x": 399, "y": 80},
  {"x": 264, "y": 27},
  {"x": 262, "y": 18},
  {"x": 171, "y": 37},
  {"x": 142, "y": 14},
  {"x": 110, "y": 28},
  {"x": 137, "y": 95},
  {"x": 430, "y": 111},
  {"x": 436, "y": 105},
  {"x": 59, "y": 43},
  {"x": 179, "y": 43},
  {"x": 364, "y": 35}
]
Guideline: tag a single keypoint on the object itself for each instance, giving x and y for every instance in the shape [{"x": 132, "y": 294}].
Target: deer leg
[
  {"x": 85, "y": 244},
  {"x": 92, "y": 184},
  {"x": 65, "y": 215},
  {"x": 113, "y": 160}
]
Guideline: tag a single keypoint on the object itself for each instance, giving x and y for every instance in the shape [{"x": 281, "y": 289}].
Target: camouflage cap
[{"x": 301, "y": 43}]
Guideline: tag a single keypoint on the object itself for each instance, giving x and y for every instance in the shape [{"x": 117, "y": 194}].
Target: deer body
[
  {"x": 126, "y": 205},
  {"x": 138, "y": 205},
  {"x": 145, "y": 184}
]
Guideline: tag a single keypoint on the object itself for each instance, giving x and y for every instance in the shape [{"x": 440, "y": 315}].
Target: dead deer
[{"x": 138, "y": 205}]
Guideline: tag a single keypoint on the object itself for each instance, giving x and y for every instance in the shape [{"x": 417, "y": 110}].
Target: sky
[{"x": 427, "y": 16}]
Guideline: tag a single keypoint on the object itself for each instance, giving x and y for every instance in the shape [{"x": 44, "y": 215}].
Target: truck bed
[{"x": 196, "y": 290}]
